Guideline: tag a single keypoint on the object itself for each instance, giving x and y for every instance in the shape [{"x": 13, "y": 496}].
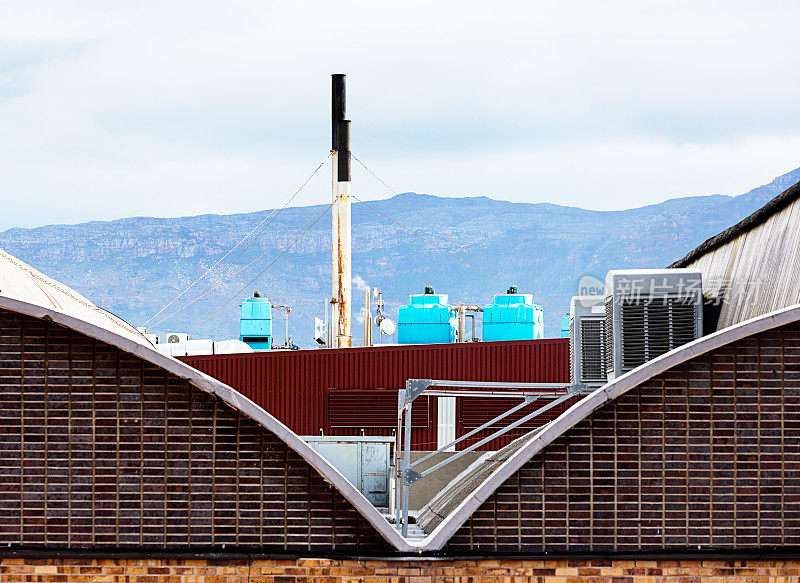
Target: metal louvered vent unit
[
  {"x": 650, "y": 312},
  {"x": 572, "y": 374},
  {"x": 587, "y": 341},
  {"x": 609, "y": 330}
]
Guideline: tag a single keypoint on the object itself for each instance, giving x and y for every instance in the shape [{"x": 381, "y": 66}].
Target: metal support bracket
[
  {"x": 410, "y": 476},
  {"x": 415, "y": 387}
]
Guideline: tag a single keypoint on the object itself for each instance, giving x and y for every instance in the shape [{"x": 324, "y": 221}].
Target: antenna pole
[
  {"x": 341, "y": 246},
  {"x": 367, "y": 319}
]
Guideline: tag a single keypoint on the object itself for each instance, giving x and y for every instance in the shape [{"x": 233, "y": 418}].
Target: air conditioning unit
[
  {"x": 587, "y": 341},
  {"x": 649, "y": 312},
  {"x": 177, "y": 338}
]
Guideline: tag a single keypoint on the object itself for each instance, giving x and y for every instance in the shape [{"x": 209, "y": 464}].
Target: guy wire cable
[
  {"x": 273, "y": 215},
  {"x": 284, "y": 252},
  {"x": 243, "y": 268}
]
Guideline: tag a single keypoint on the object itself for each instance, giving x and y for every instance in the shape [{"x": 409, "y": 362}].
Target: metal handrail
[
  {"x": 497, "y": 385},
  {"x": 496, "y": 434},
  {"x": 500, "y": 394},
  {"x": 489, "y": 423}
]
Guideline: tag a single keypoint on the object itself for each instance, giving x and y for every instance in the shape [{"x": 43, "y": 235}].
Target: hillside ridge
[{"x": 133, "y": 266}]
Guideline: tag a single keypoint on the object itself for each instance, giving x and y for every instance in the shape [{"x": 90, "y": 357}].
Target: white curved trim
[
  {"x": 582, "y": 409},
  {"x": 227, "y": 394}
]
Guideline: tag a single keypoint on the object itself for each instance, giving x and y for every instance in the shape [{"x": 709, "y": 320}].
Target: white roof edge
[
  {"x": 662, "y": 271},
  {"x": 583, "y": 408},
  {"x": 231, "y": 397}
]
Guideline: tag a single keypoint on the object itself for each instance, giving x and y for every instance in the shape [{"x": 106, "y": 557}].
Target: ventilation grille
[
  {"x": 372, "y": 408},
  {"x": 652, "y": 328},
  {"x": 609, "y": 355},
  {"x": 572, "y": 373},
  {"x": 592, "y": 350}
]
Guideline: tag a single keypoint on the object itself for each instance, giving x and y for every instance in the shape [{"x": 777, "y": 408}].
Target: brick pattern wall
[
  {"x": 705, "y": 455},
  {"x": 21, "y": 570},
  {"x": 101, "y": 449}
]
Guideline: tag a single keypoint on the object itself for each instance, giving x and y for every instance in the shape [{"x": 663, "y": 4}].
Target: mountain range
[{"x": 470, "y": 248}]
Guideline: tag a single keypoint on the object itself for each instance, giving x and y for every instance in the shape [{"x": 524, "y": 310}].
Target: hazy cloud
[{"x": 179, "y": 108}]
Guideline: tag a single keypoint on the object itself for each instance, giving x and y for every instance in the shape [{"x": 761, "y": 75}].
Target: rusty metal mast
[{"x": 341, "y": 270}]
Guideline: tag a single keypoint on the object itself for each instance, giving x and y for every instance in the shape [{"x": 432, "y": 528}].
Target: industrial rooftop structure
[
  {"x": 61, "y": 374},
  {"x": 108, "y": 445},
  {"x": 350, "y": 391}
]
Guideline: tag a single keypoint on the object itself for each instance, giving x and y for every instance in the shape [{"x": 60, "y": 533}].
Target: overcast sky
[{"x": 111, "y": 109}]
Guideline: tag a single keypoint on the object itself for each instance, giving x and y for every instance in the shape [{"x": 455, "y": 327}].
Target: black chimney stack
[{"x": 340, "y": 127}]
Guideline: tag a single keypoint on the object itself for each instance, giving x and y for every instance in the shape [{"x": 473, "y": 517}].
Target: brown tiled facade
[
  {"x": 157, "y": 570},
  {"x": 100, "y": 449},
  {"x": 706, "y": 455}
]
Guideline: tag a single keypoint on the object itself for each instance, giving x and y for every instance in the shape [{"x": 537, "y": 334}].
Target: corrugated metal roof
[
  {"x": 753, "y": 268},
  {"x": 20, "y": 281},
  {"x": 777, "y": 204}
]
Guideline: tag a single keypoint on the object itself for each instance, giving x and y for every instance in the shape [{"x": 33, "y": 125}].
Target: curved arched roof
[
  {"x": 25, "y": 290},
  {"x": 582, "y": 409},
  {"x": 20, "y": 281}
]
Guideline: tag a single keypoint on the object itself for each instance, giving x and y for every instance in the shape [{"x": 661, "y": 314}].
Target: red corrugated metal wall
[{"x": 294, "y": 386}]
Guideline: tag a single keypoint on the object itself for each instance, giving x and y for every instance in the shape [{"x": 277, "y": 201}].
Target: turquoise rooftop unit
[
  {"x": 427, "y": 319},
  {"x": 255, "y": 325},
  {"x": 513, "y": 316},
  {"x": 565, "y": 326}
]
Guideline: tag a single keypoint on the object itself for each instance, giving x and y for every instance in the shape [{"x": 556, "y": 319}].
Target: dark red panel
[
  {"x": 474, "y": 412},
  {"x": 293, "y": 385},
  {"x": 372, "y": 408}
]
